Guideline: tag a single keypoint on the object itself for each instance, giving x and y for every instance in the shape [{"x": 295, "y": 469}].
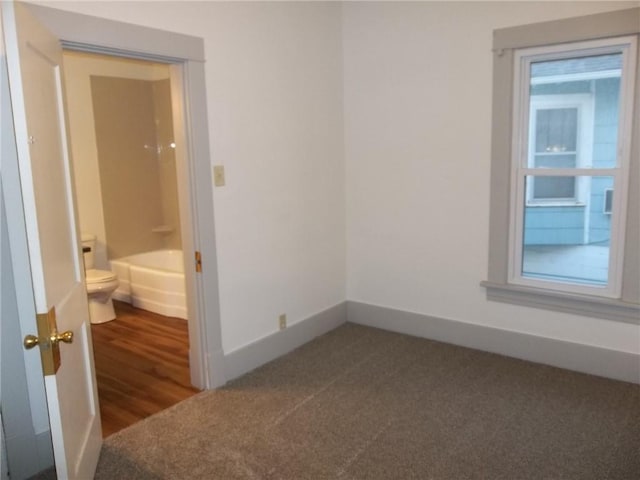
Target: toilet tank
[{"x": 88, "y": 240}]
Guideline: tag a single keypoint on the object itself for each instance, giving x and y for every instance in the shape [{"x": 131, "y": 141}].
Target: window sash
[{"x": 521, "y": 151}]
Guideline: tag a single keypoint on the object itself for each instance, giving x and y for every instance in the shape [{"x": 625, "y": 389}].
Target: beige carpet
[{"x": 361, "y": 403}]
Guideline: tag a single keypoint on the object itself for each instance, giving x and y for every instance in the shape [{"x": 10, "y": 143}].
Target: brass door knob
[
  {"x": 66, "y": 337},
  {"x": 30, "y": 341}
]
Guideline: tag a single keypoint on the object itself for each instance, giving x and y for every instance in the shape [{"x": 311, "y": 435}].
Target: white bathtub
[{"x": 153, "y": 281}]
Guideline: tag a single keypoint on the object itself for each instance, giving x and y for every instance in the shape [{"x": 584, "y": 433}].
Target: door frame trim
[{"x": 185, "y": 54}]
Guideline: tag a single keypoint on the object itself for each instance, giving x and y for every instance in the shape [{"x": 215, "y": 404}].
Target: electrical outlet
[
  {"x": 218, "y": 175},
  {"x": 282, "y": 319}
]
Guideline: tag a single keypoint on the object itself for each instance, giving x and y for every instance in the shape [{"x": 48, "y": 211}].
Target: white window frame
[
  {"x": 498, "y": 284},
  {"x": 521, "y": 155}
]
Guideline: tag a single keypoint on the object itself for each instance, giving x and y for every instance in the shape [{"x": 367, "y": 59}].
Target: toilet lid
[{"x": 94, "y": 275}]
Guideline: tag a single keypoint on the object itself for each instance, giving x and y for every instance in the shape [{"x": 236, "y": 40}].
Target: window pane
[
  {"x": 578, "y": 65},
  {"x": 569, "y": 243},
  {"x": 574, "y": 105},
  {"x": 554, "y": 188},
  {"x": 556, "y": 130}
]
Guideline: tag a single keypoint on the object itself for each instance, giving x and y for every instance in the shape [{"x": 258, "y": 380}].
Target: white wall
[
  {"x": 417, "y": 116},
  {"x": 417, "y": 119},
  {"x": 78, "y": 68},
  {"x": 274, "y": 86}
]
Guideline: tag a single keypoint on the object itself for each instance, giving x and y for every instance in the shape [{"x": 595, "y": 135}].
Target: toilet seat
[
  {"x": 99, "y": 280},
  {"x": 96, "y": 276}
]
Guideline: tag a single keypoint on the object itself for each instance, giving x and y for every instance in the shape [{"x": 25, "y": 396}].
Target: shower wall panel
[
  {"x": 167, "y": 162},
  {"x": 128, "y": 162}
]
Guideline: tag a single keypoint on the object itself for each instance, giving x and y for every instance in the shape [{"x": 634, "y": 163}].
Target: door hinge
[{"x": 198, "y": 262}]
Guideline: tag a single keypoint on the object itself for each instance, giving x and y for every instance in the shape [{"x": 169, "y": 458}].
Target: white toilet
[{"x": 100, "y": 284}]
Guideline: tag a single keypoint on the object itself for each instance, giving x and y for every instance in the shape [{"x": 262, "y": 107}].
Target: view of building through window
[{"x": 574, "y": 108}]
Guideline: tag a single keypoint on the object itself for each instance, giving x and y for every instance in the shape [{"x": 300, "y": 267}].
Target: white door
[{"x": 34, "y": 58}]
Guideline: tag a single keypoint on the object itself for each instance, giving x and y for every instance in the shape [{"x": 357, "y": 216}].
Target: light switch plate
[{"x": 218, "y": 175}]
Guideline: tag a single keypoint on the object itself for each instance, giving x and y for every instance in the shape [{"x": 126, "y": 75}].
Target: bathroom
[{"x": 127, "y": 201}]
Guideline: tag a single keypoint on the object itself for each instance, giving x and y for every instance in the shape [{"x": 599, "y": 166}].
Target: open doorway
[
  {"x": 128, "y": 203},
  {"x": 69, "y": 397}
]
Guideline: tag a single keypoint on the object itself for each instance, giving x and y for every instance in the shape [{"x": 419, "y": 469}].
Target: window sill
[{"x": 573, "y": 303}]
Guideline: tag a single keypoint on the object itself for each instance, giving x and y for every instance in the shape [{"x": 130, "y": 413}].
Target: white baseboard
[
  {"x": 583, "y": 358},
  {"x": 558, "y": 353},
  {"x": 217, "y": 371},
  {"x": 258, "y": 353}
]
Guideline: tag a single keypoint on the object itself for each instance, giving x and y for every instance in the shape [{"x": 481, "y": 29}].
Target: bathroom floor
[{"x": 142, "y": 365}]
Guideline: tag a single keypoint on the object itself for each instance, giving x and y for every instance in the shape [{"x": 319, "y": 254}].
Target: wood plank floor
[{"x": 142, "y": 365}]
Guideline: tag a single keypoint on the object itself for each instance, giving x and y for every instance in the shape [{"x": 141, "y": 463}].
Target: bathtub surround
[
  {"x": 79, "y": 68},
  {"x": 170, "y": 228},
  {"x": 134, "y": 139}
]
